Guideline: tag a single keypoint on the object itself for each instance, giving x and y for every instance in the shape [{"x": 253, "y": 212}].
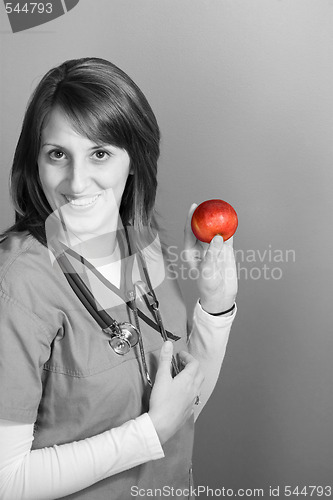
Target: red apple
[{"x": 214, "y": 217}]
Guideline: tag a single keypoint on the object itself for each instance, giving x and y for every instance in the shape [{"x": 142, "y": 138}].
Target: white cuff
[
  {"x": 203, "y": 316},
  {"x": 153, "y": 443}
]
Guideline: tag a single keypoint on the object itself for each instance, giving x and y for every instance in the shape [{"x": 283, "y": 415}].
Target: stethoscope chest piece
[
  {"x": 120, "y": 345},
  {"x": 125, "y": 337}
]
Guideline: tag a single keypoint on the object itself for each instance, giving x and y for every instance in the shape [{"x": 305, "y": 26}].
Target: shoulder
[
  {"x": 25, "y": 266},
  {"x": 13, "y": 245},
  {"x": 20, "y": 252}
]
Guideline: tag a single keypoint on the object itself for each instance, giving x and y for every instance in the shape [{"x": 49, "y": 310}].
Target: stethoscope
[{"x": 122, "y": 336}]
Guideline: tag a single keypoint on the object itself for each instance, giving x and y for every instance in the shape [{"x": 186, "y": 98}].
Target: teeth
[{"x": 81, "y": 202}]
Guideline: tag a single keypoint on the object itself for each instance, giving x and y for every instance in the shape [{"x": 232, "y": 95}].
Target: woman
[{"x": 90, "y": 412}]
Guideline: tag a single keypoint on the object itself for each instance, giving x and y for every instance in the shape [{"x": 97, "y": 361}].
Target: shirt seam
[
  {"x": 28, "y": 243},
  {"x": 36, "y": 319}
]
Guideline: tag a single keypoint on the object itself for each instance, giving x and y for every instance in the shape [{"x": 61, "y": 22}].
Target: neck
[
  {"x": 89, "y": 245},
  {"x": 102, "y": 246}
]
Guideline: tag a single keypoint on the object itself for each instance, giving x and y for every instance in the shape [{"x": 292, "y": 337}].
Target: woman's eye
[
  {"x": 101, "y": 155},
  {"x": 57, "y": 154}
]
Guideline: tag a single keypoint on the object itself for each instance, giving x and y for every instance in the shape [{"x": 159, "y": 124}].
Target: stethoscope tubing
[
  {"x": 109, "y": 285},
  {"x": 98, "y": 313},
  {"x": 84, "y": 294}
]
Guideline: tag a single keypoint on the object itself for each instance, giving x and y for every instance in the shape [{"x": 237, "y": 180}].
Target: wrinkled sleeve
[
  {"x": 57, "y": 471},
  {"x": 24, "y": 348},
  {"x": 48, "y": 473},
  {"x": 207, "y": 343}
]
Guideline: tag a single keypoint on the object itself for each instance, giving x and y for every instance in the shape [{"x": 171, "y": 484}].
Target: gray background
[{"x": 242, "y": 90}]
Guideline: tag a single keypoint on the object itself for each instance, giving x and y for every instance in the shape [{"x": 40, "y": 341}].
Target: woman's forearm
[
  {"x": 207, "y": 343},
  {"x": 57, "y": 471}
]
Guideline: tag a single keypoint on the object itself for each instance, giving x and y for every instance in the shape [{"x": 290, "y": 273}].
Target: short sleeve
[{"x": 25, "y": 346}]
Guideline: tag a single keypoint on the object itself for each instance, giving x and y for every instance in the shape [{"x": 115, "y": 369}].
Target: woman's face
[{"x": 84, "y": 178}]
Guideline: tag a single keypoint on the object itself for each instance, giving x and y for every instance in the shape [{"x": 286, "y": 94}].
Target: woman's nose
[{"x": 78, "y": 179}]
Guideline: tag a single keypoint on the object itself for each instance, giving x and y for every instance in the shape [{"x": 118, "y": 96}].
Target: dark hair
[{"x": 103, "y": 104}]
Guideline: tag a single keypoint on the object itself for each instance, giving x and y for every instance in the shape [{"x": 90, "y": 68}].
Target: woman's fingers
[
  {"x": 164, "y": 366},
  {"x": 188, "y": 361},
  {"x": 230, "y": 242},
  {"x": 194, "y": 250},
  {"x": 189, "y": 238},
  {"x": 172, "y": 399},
  {"x": 191, "y": 369}
]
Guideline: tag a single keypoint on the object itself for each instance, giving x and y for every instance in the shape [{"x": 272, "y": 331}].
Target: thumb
[
  {"x": 164, "y": 367},
  {"x": 214, "y": 248}
]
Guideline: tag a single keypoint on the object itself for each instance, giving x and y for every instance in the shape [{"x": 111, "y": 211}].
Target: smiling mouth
[{"x": 82, "y": 202}]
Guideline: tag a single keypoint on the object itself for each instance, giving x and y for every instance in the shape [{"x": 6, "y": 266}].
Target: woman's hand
[
  {"x": 172, "y": 399},
  {"x": 215, "y": 269}
]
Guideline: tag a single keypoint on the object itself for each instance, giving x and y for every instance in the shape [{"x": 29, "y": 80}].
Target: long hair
[{"x": 104, "y": 104}]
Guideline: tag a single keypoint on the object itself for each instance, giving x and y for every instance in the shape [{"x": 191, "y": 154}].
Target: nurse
[{"x": 80, "y": 417}]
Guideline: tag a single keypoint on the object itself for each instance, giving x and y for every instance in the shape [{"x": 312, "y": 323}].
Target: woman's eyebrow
[
  {"x": 52, "y": 144},
  {"x": 102, "y": 145},
  {"x": 93, "y": 148}
]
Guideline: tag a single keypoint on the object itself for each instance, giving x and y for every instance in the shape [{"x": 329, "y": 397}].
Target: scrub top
[{"x": 58, "y": 370}]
